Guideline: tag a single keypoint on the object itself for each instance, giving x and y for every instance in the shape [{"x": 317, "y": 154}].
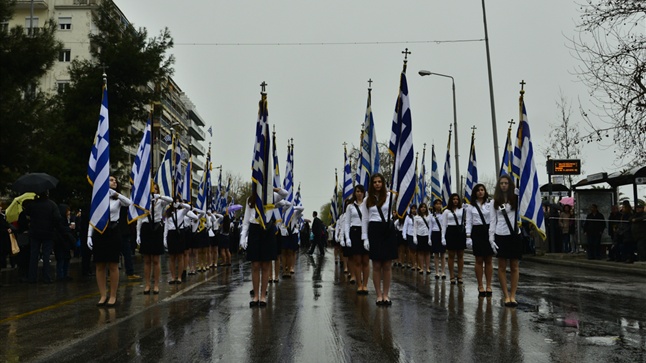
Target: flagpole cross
[
  {"x": 370, "y": 84},
  {"x": 263, "y": 85},
  {"x": 511, "y": 123},
  {"x": 522, "y": 86}
]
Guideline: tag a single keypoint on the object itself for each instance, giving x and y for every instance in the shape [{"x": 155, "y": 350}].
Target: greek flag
[
  {"x": 334, "y": 204},
  {"x": 508, "y": 156},
  {"x": 401, "y": 139},
  {"x": 288, "y": 183},
  {"x": 187, "y": 182},
  {"x": 204, "y": 186},
  {"x": 347, "y": 176},
  {"x": 369, "y": 164},
  {"x": 98, "y": 171},
  {"x": 260, "y": 166},
  {"x": 446, "y": 180},
  {"x": 278, "y": 215},
  {"x": 421, "y": 181},
  {"x": 224, "y": 198},
  {"x": 416, "y": 197},
  {"x": 167, "y": 176},
  {"x": 472, "y": 171},
  {"x": 177, "y": 166},
  {"x": 530, "y": 208},
  {"x": 140, "y": 178},
  {"x": 436, "y": 188}
]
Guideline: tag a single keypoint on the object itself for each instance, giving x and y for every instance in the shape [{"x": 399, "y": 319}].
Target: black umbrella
[{"x": 34, "y": 182}]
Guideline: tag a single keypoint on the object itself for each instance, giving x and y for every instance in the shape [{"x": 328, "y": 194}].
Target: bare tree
[
  {"x": 564, "y": 137},
  {"x": 611, "y": 46}
]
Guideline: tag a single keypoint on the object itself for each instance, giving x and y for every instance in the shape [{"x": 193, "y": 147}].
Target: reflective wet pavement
[{"x": 565, "y": 315}]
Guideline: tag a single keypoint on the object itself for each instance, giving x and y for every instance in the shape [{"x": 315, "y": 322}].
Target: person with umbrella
[{"x": 44, "y": 222}]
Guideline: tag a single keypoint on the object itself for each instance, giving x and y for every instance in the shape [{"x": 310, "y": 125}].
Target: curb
[{"x": 617, "y": 267}]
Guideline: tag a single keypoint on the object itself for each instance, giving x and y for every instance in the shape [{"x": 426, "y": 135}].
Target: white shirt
[
  {"x": 449, "y": 219},
  {"x": 498, "y": 225},
  {"x": 251, "y": 217},
  {"x": 339, "y": 231},
  {"x": 436, "y": 222},
  {"x": 409, "y": 227},
  {"x": 115, "y": 208},
  {"x": 372, "y": 214},
  {"x": 420, "y": 225},
  {"x": 351, "y": 219},
  {"x": 475, "y": 216}
]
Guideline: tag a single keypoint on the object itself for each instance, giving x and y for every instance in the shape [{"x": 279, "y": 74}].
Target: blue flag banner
[
  {"x": 369, "y": 158},
  {"x": 165, "y": 174},
  {"x": 404, "y": 182},
  {"x": 530, "y": 207},
  {"x": 334, "y": 204},
  {"x": 99, "y": 170},
  {"x": 187, "y": 182},
  {"x": 347, "y": 176},
  {"x": 421, "y": 181},
  {"x": 288, "y": 183},
  {"x": 278, "y": 212},
  {"x": 472, "y": 171},
  {"x": 508, "y": 156},
  {"x": 202, "y": 202},
  {"x": 436, "y": 187},
  {"x": 446, "y": 179},
  {"x": 261, "y": 161},
  {"x": 140, "y": 178}
]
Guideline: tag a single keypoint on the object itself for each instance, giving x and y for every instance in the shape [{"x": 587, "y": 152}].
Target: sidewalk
[{"x": 579, "y": 260}]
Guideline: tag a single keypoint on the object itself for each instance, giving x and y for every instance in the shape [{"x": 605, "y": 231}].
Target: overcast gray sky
[{"x": 317, "y": 93}]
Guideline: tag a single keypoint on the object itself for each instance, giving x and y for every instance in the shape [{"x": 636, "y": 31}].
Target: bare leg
[
  {"x": 172, "y": 265},
  {"x": 478, "y": 269},
  {"x": 180, "y": 267},
  {"x": 502, "y": 277},
  {"x": 451, "y": 264},
  {"x": 114, "y": 281},
  {"x": 376, "y": 279},
  {"x": 365, "y": 267},
  {"x": 266, "y": 270},
  {"x": 443, "y": 262},
  {"x": 101, "y": 281},
  {"x": 147, "y": 266},
  {"x": 387, "y": 272},
  {"x": 255, "y": 279},
  {"x": 488, "y": 271},
  {"x": 460, "y": 254},
  {"x": 156, "y": 272}
]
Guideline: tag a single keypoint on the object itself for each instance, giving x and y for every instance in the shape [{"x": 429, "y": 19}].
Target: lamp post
[
  {"x": 493, "y": 106},
  {"x": 455, "y": 127}
]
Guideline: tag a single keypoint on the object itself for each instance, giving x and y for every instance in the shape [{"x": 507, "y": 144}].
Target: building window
[
  {"x": 31, "y": 26},
  {"x": 65, "y": 23},
  {"x": 65, "y": 55},
  {"x": 62, "y": 86}
]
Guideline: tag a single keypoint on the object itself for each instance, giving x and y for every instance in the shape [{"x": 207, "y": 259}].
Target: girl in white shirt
[
  {"x": 352, "y": 230},
  {"x": 478, "y": 232},
  {"x": 454, "y": 235},
  {"x": 408, "y": 231},
  {"x": 437, "y": 247},
  {"x": 503, "y": 236},
  {"x": 175, "y": 238},
  {"x": 421, "y": 234},
  {"x": 377, "y": 238}
]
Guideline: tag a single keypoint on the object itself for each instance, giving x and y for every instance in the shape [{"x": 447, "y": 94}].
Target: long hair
[
  {"x": 437, "y": 201},
  {"x": 360, "y": 188},
  {"x": 410, "y": 214},
  {"x": 376, "y": 198},
  {"x": 419, "y": 213},
  {"x": 226, "y": 223},
  {"x": 450, "y": 205},
  {"x": 474, "y": 193},
  {"x": 500, "y": 197}
]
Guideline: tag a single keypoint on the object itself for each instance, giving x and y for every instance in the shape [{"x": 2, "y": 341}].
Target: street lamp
[{"x": 455, "y": 127}]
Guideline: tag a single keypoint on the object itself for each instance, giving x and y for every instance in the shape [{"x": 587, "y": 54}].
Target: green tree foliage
[
  {"x": 136, "y": 66},
  {"x": 24, "y": 59}
]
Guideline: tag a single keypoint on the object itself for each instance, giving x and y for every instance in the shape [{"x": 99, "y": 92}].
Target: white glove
[
  {"x": 165, "y": 243},
  {"x": 415, "y": 241},
  {"x": 494, "y": 247},
  {"x": 366, "y": 244},
  {"x": 348, "y": 243},
  {"x": 342, "y": 243},
  {"x": 443, "y": 242},
  {"x": 139, "y": 241},
  {"x": 469, "y": 243},
  {"x": 89, "y": 243},
  {"x": 430, "y": 243},
  {"x": 243, "y": 243}
]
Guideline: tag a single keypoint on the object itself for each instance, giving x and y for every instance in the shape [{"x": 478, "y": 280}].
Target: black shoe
[
  {"x": 488, "y": 293},
  {"x": 482, "y": 293},
  {"x": 387, "y": 303},
  {"x": 102, "y": 303},
  {"x": 146, "y": 292},
  {"x": 253, "y": 304},
  {"x": 380, "y": 302},
  {"x": 115, "y": 303},
  {"x": 262, "y": 304},
  {"x": 251, "y": 293}
]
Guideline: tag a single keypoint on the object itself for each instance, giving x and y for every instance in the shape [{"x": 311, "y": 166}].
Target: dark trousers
[
  {"x": 86, "y": 256},
  {"x": 62, "y": 268},
  {"x": 35, "y": 247},
  {"x": 320, "y": 243},
  {"x": 594, "y": 246},
  {"x": 126, "y": 251}
]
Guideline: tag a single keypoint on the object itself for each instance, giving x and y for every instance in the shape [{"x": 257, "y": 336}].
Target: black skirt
[
  {"x": 382, "y": 246},
  {"x": 436, "y": 242},
  {"x": 202, "y": 239},
  {"x": 175, "y": 242},
  {"x": 107, "y": 246},
  {"x": 356, "y": 243},
  {"x": 152, "y": 239},
  {"x": 261, "y": 243},
  {"x": 422, "y": 244},
  {"x": 214, "y": 240},
  {"x": 456, "y": 238},
  {"x": 410, "y": 242},
  {"x": 509, "y": 247},
  {"x": 480, "y": 238},
  {"x": 223, "y": 241}
]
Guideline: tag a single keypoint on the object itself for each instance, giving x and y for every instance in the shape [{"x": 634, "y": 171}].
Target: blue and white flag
[
  {"x": 260, "y": 167},
  {"x": 187, "y": 181},
  {"x": 202, "y": 202},
  {"x": 472, "y": 171},
  {"x": 530, "y": 207},
  {"x": 347, "y": 176},
  {"x": 210, "y": 130},
  {"x": 288, "y": 184},
  {"x": 436, "y": 188},
  {"x": 508, "y": 156},
  {"x": 369, "y": 157},
  {"x": 334, "y": 203},
  {"x": 421, "y": 181},
  {"x": 446, "y": 179},
  {"x": 404, "y": 182},
  {"x": 278, "y": 212},
  {"x": 164, "y": 176},
  {"x": 98, "y": 172},
  {"x": 140, "y": 178}
]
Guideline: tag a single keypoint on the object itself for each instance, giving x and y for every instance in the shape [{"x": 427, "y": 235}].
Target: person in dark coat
[
  {"x": 593, "y": 228},
  {"x": 639, "y": 230},
  {"x": 318, "y": 229},
  {"x": 44, "y": 221},
  {"x": 63, "y": 243}
]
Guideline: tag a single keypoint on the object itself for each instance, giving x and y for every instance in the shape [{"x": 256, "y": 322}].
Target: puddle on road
[{"x": 603, "y": 341}]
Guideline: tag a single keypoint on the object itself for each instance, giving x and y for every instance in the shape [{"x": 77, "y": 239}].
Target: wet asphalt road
[{"x": 565, "y": 315}]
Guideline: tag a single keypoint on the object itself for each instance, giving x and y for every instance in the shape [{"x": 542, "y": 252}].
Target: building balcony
[
  {"x": 38, "y": 4},
  {"x": 196, "y": 131},
  {"x": 197, "y": 149}
]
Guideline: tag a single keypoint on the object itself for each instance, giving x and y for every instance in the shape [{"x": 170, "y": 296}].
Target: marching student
[
  {"x": 408, "y": 231},
  {"x": 359, "y": 255},
  {"x": 478, "y": 232},
  {"x": 150, "y": 239},
  {"x": 504, "y": 236},
  {"x": 377, "y": 237},
  {"x": 421, "y": 228},
  {"x": 454, "y": 235},
  {"x": 106, "y": 247},
  {"x": 175, "y": 238},
  {"x": 438, "y": 246}
]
